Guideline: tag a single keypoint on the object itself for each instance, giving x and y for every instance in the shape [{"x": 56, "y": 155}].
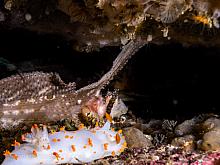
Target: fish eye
[
  {"x": 89, "y": 114},
  {"x": 209, "y": 145}
]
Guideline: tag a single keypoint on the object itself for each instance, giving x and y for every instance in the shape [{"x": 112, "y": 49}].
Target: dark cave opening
[
  {"x": 163, "y": 81},
  {"x": 177, "y": 82}
]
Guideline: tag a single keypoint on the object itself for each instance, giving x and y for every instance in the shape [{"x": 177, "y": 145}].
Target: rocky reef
[{"x": 93, "y": 24}]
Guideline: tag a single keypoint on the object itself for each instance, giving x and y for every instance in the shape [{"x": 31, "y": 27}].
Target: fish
[{"x": 39, "y": 97}]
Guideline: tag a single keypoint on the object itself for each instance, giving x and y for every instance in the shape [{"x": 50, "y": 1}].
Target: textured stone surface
[
  {"x": 187, "y": 142},
  {"x": 136, "y": 138},
  {"x": 211, "y": 140}
]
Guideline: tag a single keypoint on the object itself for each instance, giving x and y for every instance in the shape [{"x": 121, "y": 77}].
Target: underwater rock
[
  {"x": 92, "y": 25},
  {"x": 185, "y": 127},
  {"x": 186, "y": 142},
  {"x": 211, "y": 123},
  {"x": 210, "y": 140},
  {"x": 136, "y": 138},
  {"x": 151, "y": 126}
]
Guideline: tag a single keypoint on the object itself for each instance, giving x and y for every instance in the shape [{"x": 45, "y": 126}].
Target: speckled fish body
[
  {"x": 32, "y": 85},
  {"x": 61, "y": 103},
  {"x": 36, "y": 97}
]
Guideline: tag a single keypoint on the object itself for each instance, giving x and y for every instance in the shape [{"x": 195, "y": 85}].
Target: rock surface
[{"x": 135, "y": 138}]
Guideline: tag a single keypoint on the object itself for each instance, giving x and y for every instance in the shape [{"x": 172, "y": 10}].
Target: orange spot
[
  {"x": 113, "y": 153},
  {"x": 71, "y": 137},
  {"x": 48, "y": 147},
  {"x": 121, "y": 150},
  {"x": 84, "y": 146},
  {"x": 117, "y": 138},
  {"x": 120, "y": 131},
  {"x": 94, "y": 152},
  {"x": 7, "y": 153},
  {"x": 96, "y": 124},
  {"x": 54, "y": 140},
  {"x": 16, "y": 143},
  {"x": 73, "y": 148},
  {"x": 90, "y": 142},
  {"x": 108, "y": 117},
  {"x": 67, "y": 136},
  {"x": 34, "y": 152},
  {"x": 106, "y": 146},
  {"x": 56, "y": 155},
  {"x": 62, "y": 128},
  {"x": 125, "y": 145},
  {"x": 202, "y": 19},
  {"x": 60, "y": 150},
  {"x": 62, "y": 158},
  {"x": 14, "y": 156}
]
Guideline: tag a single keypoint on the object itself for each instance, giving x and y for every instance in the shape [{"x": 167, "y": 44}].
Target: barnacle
[
  {"x": 8, "y": 4},
  {"x": 129, "y": 12},
  {"x": 170, "y": 10},
  {"x": 201, "y": 6}
]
